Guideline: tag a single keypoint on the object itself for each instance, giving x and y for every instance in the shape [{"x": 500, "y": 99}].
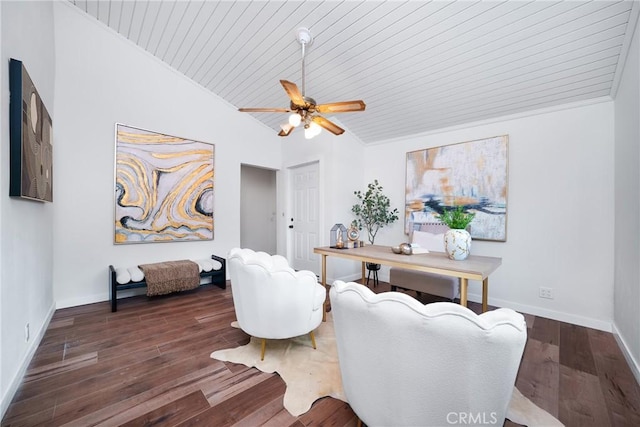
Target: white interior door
[{"x": 303, "y": 224}]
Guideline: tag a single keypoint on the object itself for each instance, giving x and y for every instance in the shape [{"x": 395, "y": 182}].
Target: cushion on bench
[
  {"x": 133, "y": 277},
  {"x": 204, "y": 265},
  {"x": 125, "y": 275},
  {"x": 122, "y": 276},
  {"x": 208, "y": 264},
  {"x": 136, "y": 274}
]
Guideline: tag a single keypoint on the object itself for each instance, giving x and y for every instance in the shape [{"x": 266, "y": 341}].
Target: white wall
[
  {"x": 560, "y": 196},
  {"x": 101, "y": 79},
  {"x": 559, "y": 225},
  {"x": 627, "y": 208},
  {"x": 3, "y": 388},
  {"x": 341, "y": 165},
  {"x": 26, "y": 269}
]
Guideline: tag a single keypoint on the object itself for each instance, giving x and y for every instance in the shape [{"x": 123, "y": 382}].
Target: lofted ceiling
[{"x": 418, "y": 65}]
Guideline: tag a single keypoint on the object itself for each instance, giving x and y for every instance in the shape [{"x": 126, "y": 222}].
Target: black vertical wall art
[{"x": 31, "y": 139}]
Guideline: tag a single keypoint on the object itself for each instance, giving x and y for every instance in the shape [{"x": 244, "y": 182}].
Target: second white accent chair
[
  {"x": 407, "y": 364},
  {"x": 271, "y": 300}
]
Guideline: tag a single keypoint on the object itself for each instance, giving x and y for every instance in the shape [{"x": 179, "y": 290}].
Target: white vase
[{"x": 457, "y": 244}]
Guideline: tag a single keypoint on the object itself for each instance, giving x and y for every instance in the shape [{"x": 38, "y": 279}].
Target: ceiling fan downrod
[{"x": 304, "y": 38}]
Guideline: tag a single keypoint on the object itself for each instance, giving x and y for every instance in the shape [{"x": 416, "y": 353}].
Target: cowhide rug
[{"x": 311, "y": 374}]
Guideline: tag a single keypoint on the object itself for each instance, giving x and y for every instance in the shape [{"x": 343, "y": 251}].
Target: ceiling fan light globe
[
  {"x": 308, "y": 132},
  {"x": 314, "y": 128},
  {"x": 295, "y": 119}
]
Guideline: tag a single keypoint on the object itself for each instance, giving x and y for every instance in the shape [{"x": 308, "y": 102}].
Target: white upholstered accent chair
[
  {"x": 408, "y": 364},
  {"x": 272, "y": 301}
]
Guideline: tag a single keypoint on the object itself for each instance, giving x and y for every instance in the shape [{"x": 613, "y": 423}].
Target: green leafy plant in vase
[{"x": 457, "y": 240}]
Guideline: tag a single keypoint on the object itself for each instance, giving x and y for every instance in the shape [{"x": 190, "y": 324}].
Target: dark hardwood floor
[{"x": 149, "y": 364}]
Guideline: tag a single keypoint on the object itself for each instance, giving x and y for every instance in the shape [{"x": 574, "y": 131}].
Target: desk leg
[
  {"x": 464, "y": 284},
  {"x": 324, "y": 283},
  {"x": 485, "y": 293},
  {"x": 363, "y": 282}
]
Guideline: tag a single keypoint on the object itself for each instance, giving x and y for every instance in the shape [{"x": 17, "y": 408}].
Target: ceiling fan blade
[
  {"x": 341, "y": 107},
  {"x": 328, "y": 125},
  {"x": 286, "y": 129},
  {"x": 293, "y": 92},
  {"x": 264, "y": 110}
]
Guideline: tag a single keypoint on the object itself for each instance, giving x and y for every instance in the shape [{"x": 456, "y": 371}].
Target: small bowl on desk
[
  {"x": 402, "y": 248},
  {"x": 406, "y": 249}
]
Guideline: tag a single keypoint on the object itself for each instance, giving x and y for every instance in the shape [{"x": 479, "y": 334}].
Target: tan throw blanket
[{"x": 171, "y": 276}]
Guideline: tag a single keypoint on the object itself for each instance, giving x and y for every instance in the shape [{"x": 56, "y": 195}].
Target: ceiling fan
[{"x": 303, "y": 108}]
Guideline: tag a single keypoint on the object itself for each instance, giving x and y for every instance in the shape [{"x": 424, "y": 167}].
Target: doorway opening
[{"x": 258, "y": 196}]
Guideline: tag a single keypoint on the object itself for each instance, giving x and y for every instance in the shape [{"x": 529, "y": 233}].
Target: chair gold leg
[
  {"x": 324, "y": 283},
  {"x": 313, "y": 339},
  {"x": 263, "y": 348}
]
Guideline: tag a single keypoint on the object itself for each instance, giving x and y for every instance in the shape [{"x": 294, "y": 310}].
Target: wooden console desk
[{"x": 474, "y": 267}]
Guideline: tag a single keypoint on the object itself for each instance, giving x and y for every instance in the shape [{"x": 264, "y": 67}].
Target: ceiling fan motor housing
[{"x": 309, "y": 105}]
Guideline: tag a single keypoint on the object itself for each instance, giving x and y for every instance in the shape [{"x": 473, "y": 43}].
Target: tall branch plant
[{"x": 373, "y": 210}]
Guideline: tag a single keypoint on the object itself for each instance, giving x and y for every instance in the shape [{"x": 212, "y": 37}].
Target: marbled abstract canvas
[
  {"x": 469, "y": 174},
  {"x": 163, "y": 187}
]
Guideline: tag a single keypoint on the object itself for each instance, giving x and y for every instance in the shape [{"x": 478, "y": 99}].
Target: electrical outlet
[
  {"x": 26, "y": 332},
  {"x": 546, "y": 293}
]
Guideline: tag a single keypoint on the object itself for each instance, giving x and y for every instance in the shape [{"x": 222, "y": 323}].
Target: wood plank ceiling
[{"x": 418, "y": 65}]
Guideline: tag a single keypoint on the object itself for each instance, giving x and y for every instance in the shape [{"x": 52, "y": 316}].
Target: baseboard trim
[
  {"x": 574, "y": 319},
  {"x": 631, "y": 361},
  {"x": 89, "y": 299},
  {"x": 95, "y": 298},
  {"x": 16, "y": 381}
]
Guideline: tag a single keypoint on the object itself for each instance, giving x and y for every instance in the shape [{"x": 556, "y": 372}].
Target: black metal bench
[{"x": 218, "y": 277}]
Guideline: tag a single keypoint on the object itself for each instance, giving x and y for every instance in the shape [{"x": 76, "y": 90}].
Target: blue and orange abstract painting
[{"x": 470, "y": 174}]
